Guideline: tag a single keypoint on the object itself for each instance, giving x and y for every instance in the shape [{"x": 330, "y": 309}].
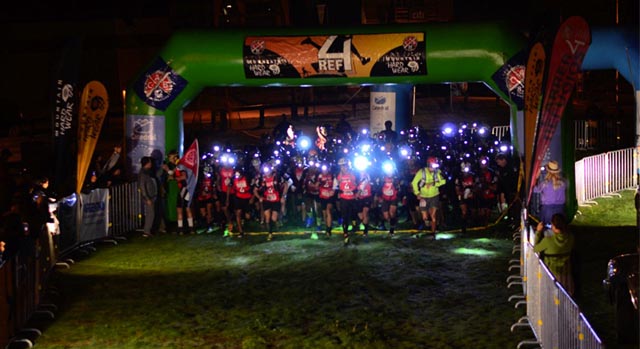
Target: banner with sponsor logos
[
  {"x": 93, "y": 212},
  {"x": 510, "y": 78},
  {"x": 145, "y": 137},
  {"x": 569, "y": 48},
  {"x": 159, "y": 85},
  {"x": 364, "y": 55},
  {"x": 64, "y": 118},
  {"x": 94, "y": 105},
  {"x": 534, "y": 78}
]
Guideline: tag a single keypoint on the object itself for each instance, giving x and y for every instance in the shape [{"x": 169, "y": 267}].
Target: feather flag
[
  {"x": 534, "y": 78},
  {"x": 189, "y": 163},
  {"x": 94, "y": 104},
  {"x": 569, "y": 48}
]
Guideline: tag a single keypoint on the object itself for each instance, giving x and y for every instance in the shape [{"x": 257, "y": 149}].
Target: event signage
[
  {"x": 534, "y": 78},
  {"x": 359, "y": 55},
  {"x": 510, "y": 78},
  {"x": 94, "y": 104},
  {"x": 94, "y": 215},
  {"x": 569, "y": 48},
  {"x": 145, "y": 135},
  {"x": 159, "y": 85}
]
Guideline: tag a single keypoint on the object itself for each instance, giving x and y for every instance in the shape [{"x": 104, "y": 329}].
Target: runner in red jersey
[
  {"x": 347, "y": 187},
  {"x": 389, "y": 197},
  {"x": 243, "y": 194},
  {"x": 364, "y": 197},
  {"x": 326, "y": 194},
  {"x": 272, "y": 192},
  {"x": 225, "y": 186}
]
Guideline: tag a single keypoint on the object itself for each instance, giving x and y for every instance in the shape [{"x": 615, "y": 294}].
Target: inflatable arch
[
  {"x": 377, "y": 55},
  {"x": 191, "y": 61}
]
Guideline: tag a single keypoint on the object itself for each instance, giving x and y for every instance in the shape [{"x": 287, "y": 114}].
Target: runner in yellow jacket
[{"x": 425, "y": 186}]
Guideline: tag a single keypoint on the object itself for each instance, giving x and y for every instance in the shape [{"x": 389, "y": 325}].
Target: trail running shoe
[
  {"x": 346, "y": 239},
  {"x": 269, "y": 237}
]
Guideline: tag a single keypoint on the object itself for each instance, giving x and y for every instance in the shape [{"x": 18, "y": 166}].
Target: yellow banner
[{"x": 94, "y": 104}]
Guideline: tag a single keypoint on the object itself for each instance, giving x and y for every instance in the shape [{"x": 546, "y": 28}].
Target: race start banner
[
  {"x": 94, "y": 105},
  {"x": 365, "y": 55}
]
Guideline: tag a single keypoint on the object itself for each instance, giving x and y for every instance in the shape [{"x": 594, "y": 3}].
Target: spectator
[
  {"x": 390, "y": 136},
  {"x": 552, "y": 192},
  {"x": 280, "y": 130},
  {"x": 555, "y": 250},
  {"x": 507, "y": 186},
  {"x": 149, "y": 192}
]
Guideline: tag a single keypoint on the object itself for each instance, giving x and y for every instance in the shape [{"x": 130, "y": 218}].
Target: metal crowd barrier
[
  {"x": 24, "y": 276},
  {"x": 552, "y": 315},
  {"x": 125, "y": 209},
  {"x": 605, "y": 174}
]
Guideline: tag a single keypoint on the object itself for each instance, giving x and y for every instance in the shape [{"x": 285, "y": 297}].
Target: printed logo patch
[{"x": 159, "y": 85}]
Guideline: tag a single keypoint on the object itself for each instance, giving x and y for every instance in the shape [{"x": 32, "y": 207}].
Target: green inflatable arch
[{"x": 413, "y": 54}]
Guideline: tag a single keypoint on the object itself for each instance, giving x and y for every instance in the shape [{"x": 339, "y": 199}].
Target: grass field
[{"x": 209, "y": 291}]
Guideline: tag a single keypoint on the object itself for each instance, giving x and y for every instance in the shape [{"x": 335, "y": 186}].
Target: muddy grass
[
  {"x": 207, "y": 291},
  {"x": 210, "y": 291}
]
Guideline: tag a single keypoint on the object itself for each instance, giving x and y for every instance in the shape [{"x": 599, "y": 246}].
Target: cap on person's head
[
  {"x": 501, "y": 156},
  {"x": 552, "y": 167},
  {"x": 432, "y": 160},
  {"x": 342, "y": 161}
]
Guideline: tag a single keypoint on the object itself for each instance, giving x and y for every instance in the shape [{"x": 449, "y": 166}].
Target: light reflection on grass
[{"x": 474, "y": 251}]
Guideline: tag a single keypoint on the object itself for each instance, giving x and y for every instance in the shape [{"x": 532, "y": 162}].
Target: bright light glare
[
  {"x": 444, "y": 236},
  {"x": 504, "y": 148},
  {"x": 388, "y": 167},
  {"x": 304, "y": 143},
  {"x": 361, "y": 163}
]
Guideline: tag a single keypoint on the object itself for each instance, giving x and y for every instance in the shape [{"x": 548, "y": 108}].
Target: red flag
[
  {"x": 189, "y": 163},
  {"x": 569, "y": 48}
]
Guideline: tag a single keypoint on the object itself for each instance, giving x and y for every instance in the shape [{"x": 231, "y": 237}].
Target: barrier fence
[
  {"x": 605, "y": 174},
  {"x": 551, "y": 314},
  {"x": 29, "y": 260}
]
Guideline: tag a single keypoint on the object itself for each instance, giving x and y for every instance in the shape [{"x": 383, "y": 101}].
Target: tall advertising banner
[
  {"x": 64, "y": 120},
  {"x": 94, "y": 104},
  {"x": 534, "y": 78},
  {"x": 569, "y": 48}
]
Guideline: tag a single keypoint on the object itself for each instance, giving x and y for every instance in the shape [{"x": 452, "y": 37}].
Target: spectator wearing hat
[{"x": 552, "y": 190}]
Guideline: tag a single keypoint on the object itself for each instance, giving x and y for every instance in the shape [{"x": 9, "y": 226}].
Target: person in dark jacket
[{"x": 149, "y": 192}]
